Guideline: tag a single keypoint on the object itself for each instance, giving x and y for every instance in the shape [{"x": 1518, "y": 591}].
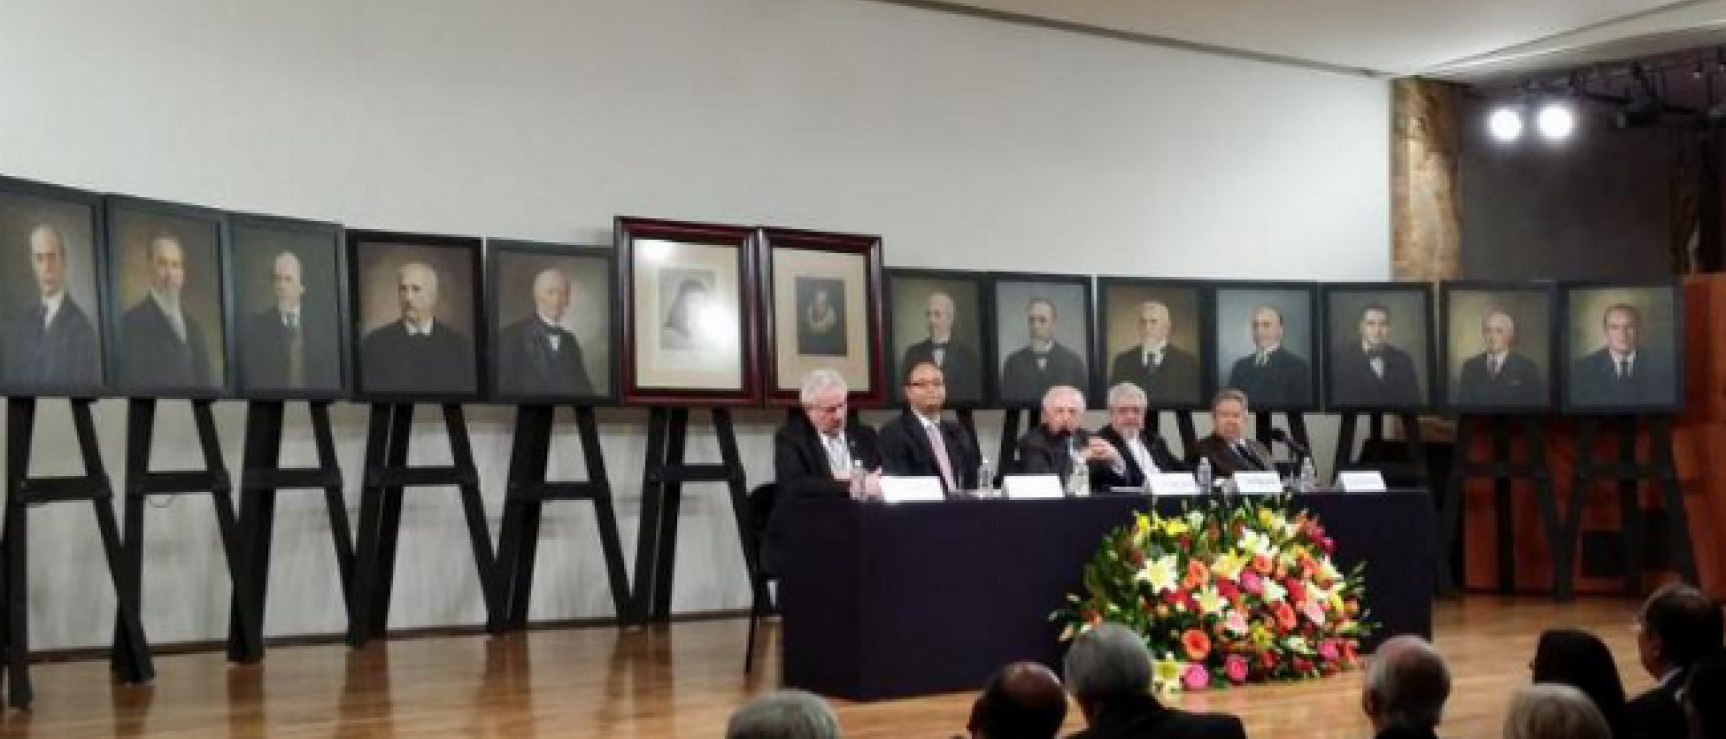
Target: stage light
[
  {"x": 1505, "y": 124},
  {"x": 1555, "y": 121}
]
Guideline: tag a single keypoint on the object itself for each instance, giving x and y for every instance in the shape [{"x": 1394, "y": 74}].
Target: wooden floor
[{"x": 683, "y": 681}]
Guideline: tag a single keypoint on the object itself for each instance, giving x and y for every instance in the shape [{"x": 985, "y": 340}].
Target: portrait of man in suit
[
  {"x": 1370, "y": 371},
  {"x": 50, "y": 340},
  {"x": 162, "y": 345},
  {"x": 282, "y": 349},
  {"x": 961, "y": 364},
  {"x": 1043, "y": 362},
  {"x": 1622, "y": 370},
  {"x": 537, "y": 355},
  {"x": 1272, "y": 376},
  {"x": 1499, "y": 375},
  {"x": 1167, "y": 374},
  {"x": 417, "y": 353}
]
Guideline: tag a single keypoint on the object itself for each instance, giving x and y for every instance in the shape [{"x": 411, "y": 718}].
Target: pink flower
[
  {"x": 1252, "y": 583},
  {"x": 1235, "y": 622},
  {"x": 1195, "y": 677},
  {"x": 1236, "y": 668},
  {"x": 1327, "y": 650},
  {"x": 1313, "y": 611}
]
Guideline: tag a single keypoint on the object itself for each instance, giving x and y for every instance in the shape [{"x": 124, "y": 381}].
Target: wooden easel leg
[
  {"x": 1547, "y": 498},
  {"x": 1416, "y": 447},
  {"x": 1189, "y": 436},
  {"x": 222, "y": 498},
  {"x": 610, "y": 544},
  {"x": 390, "y": 524},
  {"x": 360, "y": 599},
  {"x": 1345, "y": 442},
  {"x": 1677, "y": 519},
  {"x": 1008, "y": 459},
  {"x": 1297, "y": 429},
  {"x": 1504, "y": 512},
  {"x": 1630, "y": 507},
  {"x": 473, "y": 506},
  {"x": 1450, "y": 510},
  {"x": 341, "y": 535},
  {"x": 666, "y": 561},
  {"x": 652, "y": 496},
  {"x": 260, "y": 456},
  {"x": 15, "y": 548},
  {"x": 140, "y": 432},
  {"x": 733, "y": 462},
  {"x": 526, "y": 467}
]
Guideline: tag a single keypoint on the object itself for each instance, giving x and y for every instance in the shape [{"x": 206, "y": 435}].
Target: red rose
[{"x": 1197, "y": 645}]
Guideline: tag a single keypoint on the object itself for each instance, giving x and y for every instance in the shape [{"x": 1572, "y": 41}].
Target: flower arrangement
[{"x": 1226, "y": 593}]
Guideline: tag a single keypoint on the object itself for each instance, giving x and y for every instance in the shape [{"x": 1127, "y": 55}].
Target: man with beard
[
  {"x": 537, "y": 355},
  {"x": 162, "y": 347}
]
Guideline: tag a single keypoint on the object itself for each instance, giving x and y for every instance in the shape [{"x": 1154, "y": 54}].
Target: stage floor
[{"x": 683, "y": 681}]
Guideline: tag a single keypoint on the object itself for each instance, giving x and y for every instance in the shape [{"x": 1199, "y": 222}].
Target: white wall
[{"x": 967, "y": 143}]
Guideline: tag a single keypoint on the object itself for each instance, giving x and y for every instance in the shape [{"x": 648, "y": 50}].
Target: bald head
[
  {"x": 1406, "y": 685},
  {"x": 48, "y": 259},
  {"x": 167, "y": 264},
  {"x": 551, "y": 294},
  {"x": 416, "y": 290},
  {"x": 1023, "y": 700}
]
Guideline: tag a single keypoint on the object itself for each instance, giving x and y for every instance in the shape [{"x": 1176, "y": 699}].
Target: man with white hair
[
  {"x": 1109, "y": 674},
  {"x": 1405, "y": 688},
  {"x": 784, "y": 714},
  {"x": 960, "y": 363},
  {"x": 1166, "y": 373},
  {"x": 1051, "y": 447},
  {"x": 162, "y": 347},
  {"x": 50, "y": 339},
  {"x": 1143, "y": 451},
  {"x": 278, "y": 351},
  {"x": 816, "y": 452},
  {"x": 537, "y": 355},
  {"x": 418, "y": 353}
]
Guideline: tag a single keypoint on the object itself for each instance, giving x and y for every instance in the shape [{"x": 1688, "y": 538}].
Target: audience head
[
  {"x": 1406, "y": 685},
  {"x": 1677, "y": 626},
  {"x": 926, "y": 388},
  {"x": 1127, "y": 409},
  {"x": 783, "y": 714},
  {"x": 1107, "y": 664},
  {"x": 1063, "y": 408},
  {"x": 1553, "y": 711},
  {"x": 1229, "y": 414},
  {"x": 1579, "y": 659},
  {"x": 1023, "y": 700},
  {"x": 823, "y": 398},
  {"x": 1705, "y": 697}
]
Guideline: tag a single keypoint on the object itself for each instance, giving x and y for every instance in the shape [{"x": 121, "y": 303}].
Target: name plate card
[
  {"x": 1258, "y": 482},
  {"x": 1174, "y": 483},
  {"x": 912, "y": 489},
  {"x": 1032, "y": 487},
  {"x": 1361, "y": 481}
]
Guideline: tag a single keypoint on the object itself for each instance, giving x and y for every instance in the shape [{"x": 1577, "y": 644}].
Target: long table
[{"x": 885, "y": 601}]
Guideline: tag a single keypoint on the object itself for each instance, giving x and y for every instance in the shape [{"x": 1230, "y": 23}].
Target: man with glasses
[
  {"x": 1677, "y": 627},
  {"x": 816, "y": 452},
  {"x": 920, "y": 444}
]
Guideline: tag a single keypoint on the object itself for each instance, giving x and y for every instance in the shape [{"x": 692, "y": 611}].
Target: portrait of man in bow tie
[
  {"x": 1051, "y": 335},
  {"x": 1624, "y": 338},
  {"x": 49, "y": 337},
  {"x": 417, "y": 307},
  {"x": 170, "y": 334},
  {"x": 1152, "y": 332},
  {"x": 936, "y": 320},
  {"x": 1378, "y": 358},
  {"x": 540, "y": 352},
  {"x": 288, "y": 282},
  {"x": 1271, "y": 366},
  {"x": 1498, "y": 347}
]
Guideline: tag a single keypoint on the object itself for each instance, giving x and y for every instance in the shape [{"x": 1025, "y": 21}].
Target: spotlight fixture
[
  {"x": 1555, "y": 121},
  {"x": 1505, "y": 123}
]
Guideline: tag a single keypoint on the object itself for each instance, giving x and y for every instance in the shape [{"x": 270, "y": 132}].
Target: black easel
[
  {"x": 661, "y": 495},
  {"x": 261, "y": 476},
  {"x": 1629, "y": 473},
  {"x": 141, "y": 483},
  {"x": 1184, "y": 427},
  {"x": 132, "y": 652},
  {"x": 1263, "y": 423},
  {"x": 387, "y": 475},
  {"x": 1503, "y": 471},
  {"x": 525, "y": 498},
  {"x": 1008, "y": 461},
  {"x": 1415, "y": 467}
]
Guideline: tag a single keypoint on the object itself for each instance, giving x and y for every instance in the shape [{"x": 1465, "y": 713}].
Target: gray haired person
[
  {"x": 1109, "y": 674},
  {"x": 784, "y": 714},
  {"x": 1405, "y": 689},
  {"x": 1554, "y": 711}
]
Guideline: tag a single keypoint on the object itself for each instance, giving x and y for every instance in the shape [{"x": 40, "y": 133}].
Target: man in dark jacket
[
  {"x": 1405, "y": 688},
  {"x": 1144, "y": 452},
  {"x": 1051, "y": 447},
  {"x": 815, "y": 454},
  {"x": 909, "y": 443},
  {"x": 1678, "y": 626},
  {"x": 1109, "y": 674},
  {"x": 1227, "y": 447}
]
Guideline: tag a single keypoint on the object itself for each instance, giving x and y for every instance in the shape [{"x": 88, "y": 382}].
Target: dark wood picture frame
[
  {"x": 338, "y": 313},
  {"x": 741, "y": 240},
  {"x": 1427, "y": 361},
  {"x": 1543, "y": 292},
  {"x": 97, "y": 314},
  {"x": 999, "y": 347},
  {"x": 473, "y": 256},
  {"x": 867, "y": 247},
  {"x": 1103, "y": 372},
  {"x": 1674, "y": 374},
  {"x": 1222, "y": 367},
  {"x": 983, "y": 317},
  {"x": 118, "y": 315},
  {"x": 497, "y": 250}
]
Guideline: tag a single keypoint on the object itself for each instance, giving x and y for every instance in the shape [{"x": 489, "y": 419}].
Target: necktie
[
  {"x": 1623, "y": 369},
  {"x": 838, "y": 458},
  {"x": 43, "y": 314},
  {"x": 296, "y": 352},
  {"x": 939, "y": 352},
  {"x": 1043, "y": 361},
  {"x": 1246, "y": 453},
  {"x": 1263, "y": 360},
  {"x": 939, "y": 446},
  {"x": 1493, "y": 365}
]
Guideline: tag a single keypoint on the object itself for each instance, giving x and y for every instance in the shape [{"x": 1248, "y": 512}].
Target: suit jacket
[
  {"x": 1285, "y": 380},
  {"x": 1175, "y": 381},
  {"x": 153, "y": 357},
  {"x": 1518, "y": 383},
  {"x": 1399, "y": 732},
  {"x": 391, "y": 361},
  {"x": 801, "y": 471},
  {"x": 961, "y": 366},
  {"x": 527, "y": 365},
  {"x": 905, "y": 450},
  {"x": 1042, "y": 453},
  {"x": 1022, "y": 381},
  {"x": 65, "y": 353},
  {"x": 265, "y": 348},
  {"x": 1160, "y": 456},
  {"x": 1142, "y": 717},
  {"x": 1657, "y": 713},
  {"x": 1354, "y": 383},
  {"x": 1595, "y": 380},
  {"x": 1225, "y": 460}
]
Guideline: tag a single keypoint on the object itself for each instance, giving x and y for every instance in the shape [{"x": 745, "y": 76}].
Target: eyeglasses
[{"x": 927, "y": 384}]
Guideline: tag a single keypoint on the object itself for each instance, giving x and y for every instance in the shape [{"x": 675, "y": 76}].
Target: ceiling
[{"x": 1462, "y": 40}]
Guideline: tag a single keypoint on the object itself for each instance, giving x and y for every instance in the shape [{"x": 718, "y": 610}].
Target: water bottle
[
  {"x": 1308, "y": 477},
  {"x": 1203, "y": 475},
  {"x": 859, "y": 490},
  {"x": 985, "y": 480},
  {"x": 1081, "y": 479}
]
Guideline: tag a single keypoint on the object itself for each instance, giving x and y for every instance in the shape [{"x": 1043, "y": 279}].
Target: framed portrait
[
  {"x": 1043, "y": 335},
  {"x": 291, "y": 308},
  {"x": 941, "y": 316},
  {"x": 688, "y": 296},
  {"x": 52, "y": 311},
  {"x": 822, "y": 293},
  {"x": 1379, "y": 348},
  {"x": 1153, "y": 336},
  {"x": 1497, "y": 345},
  {"x": 554, "y": 324},
  {"x": 168, "y": 335},
  {"x": 417, "y": 316},
  {"x": 1265, "y": 335},
  {"x": 1623, "y": 347}
]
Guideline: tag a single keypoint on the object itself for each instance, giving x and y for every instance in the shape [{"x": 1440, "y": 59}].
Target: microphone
[{"x": 1284, "y": 437}]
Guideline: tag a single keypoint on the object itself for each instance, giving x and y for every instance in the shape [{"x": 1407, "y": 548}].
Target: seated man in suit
[
  {"x": 1145, "y": 453},
  {"x": 815, "y": 452},
  {"x": 1023, "y": 700},
  {"x": 1621, "y": 372},
  {"x": 1109, "y": 674},
  {"x": 919, "y": 444},
  {"x": 1405, "y": 688},
  {"x": 1051, "y": 447},
  {"x": 1228, "y": 448},
  {"x": 1678, "y": 626}
]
